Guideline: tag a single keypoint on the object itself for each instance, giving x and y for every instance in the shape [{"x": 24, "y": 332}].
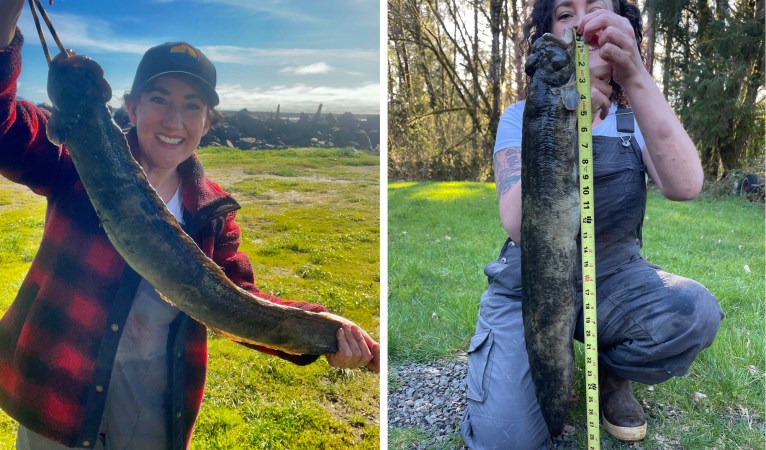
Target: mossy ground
[{"x": 310, "y": 224}]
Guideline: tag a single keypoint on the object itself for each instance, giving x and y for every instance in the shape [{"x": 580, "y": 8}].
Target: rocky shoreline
[{"x": 248, "y": 130}]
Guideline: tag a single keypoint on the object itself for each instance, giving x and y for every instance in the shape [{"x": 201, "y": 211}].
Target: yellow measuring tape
[{"x": 587, "y": 233}]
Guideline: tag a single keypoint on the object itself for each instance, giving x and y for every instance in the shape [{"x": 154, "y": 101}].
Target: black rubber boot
[{"x": 621, "y": 414}]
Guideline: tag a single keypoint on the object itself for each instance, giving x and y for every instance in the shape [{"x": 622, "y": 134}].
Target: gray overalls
[{"x": 651, "y": 324}]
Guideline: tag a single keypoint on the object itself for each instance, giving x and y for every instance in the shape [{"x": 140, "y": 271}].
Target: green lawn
[
  {"x": 442, "y": 234},
  {"x": 310, "y": 224}
]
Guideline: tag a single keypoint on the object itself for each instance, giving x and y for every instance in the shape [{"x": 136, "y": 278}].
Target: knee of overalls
[
  {"x": 699, "y": 314},
  {"x": 486, "y": 433},
  {"x": 692, "y": 312},
  {"x": 683, "y": 320}
]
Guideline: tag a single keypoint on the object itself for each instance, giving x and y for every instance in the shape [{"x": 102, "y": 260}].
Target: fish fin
[
  {"x": 222, "y": 333},
  {"x": 162, "y": 296},
  {"x": 570, "y": 97},
  {"x": 57, "y": 128}
]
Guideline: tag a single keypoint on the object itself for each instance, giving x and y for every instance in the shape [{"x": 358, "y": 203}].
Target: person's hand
[
  {"x": 10, "y": 10},
  {"x": 355, "y": 347},
  {"x": 615, "y": 40},
  {"x": 600, "y": 89}
]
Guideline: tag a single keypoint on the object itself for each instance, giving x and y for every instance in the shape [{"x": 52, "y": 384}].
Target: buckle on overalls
[{"x": 624, "y": 119}]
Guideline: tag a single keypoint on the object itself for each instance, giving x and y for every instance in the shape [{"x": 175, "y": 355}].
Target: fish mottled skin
[
  {"x": 550, "y": 223},
  {"x": 147, "y": 235}
]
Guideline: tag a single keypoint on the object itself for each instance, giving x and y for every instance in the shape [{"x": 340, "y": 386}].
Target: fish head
[
  {"x": 75, "y": 81},
  {"x": 552, "y": 59}
]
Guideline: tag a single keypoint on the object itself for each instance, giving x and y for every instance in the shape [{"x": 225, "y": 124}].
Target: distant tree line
[
  {"x": 454, "y": 65},
  {"x": 713, "y": 74}
]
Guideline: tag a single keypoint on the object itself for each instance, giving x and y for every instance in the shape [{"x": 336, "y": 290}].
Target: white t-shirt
[
  {"x": 509, "y": 129},
  {"x": 135, "y": 414}
]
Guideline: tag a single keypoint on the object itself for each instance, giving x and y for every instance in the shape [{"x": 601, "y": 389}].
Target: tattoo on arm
[{"x": 507, "y": 169}]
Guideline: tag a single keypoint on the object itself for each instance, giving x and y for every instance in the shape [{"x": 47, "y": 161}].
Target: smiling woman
[
  {"x": 109, "y": 364},
  {"x": 172, "y": 106}
]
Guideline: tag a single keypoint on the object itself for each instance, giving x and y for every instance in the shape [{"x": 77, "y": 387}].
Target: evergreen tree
[{"x": 713, "y": 75}]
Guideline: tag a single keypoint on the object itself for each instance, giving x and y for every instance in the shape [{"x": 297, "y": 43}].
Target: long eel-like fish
[
  {"x": 147, "y": 235},
  {"x": 550, "y": 223}
]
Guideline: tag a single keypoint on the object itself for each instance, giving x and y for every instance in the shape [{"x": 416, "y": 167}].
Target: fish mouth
[
  {"x": 553, "y": 55},
  {"x": 564, "y": 42}
]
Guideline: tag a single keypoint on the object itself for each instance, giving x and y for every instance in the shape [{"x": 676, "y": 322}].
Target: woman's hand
[
  {"x": 615, "y": 39},
  {"x": 355, "y": 347},
  {"x": 10, "y": 10},
  {"x": 670, "y": 156},
  {"x": 600, "y": 89},
  {"x": 600, "y": 76}
]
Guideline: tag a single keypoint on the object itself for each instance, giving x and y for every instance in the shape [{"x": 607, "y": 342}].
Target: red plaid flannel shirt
[{"x": 59, "y": 337}]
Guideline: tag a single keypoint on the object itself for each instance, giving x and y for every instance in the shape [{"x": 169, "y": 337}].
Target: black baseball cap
[{"x": 176, "y": 57}]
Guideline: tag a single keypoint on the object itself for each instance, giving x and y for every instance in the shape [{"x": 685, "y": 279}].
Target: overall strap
[
  {"x": 625, "y": 122},
  {"x": 624, "y": 118}
]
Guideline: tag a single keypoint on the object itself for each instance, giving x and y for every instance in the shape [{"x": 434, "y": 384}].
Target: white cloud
[
  {"x": 86, "y": 34},
  {"x": 251, "y": 56},
  {"x": 301, "y": 98},
  {"x": 310, "y": 69},
  {"x": 92, "y": 34},
  {"x": 278, "y": 8}
]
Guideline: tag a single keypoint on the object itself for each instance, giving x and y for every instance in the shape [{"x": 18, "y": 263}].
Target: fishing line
[
  {"x": 588, "y": 241},
  {"x": 49, "y": 24}
]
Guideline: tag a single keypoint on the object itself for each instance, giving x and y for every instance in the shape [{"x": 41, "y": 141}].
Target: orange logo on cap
[{"x": 183, "y": 54}]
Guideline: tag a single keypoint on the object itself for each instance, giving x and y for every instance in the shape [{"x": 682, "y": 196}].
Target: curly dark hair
[{"x": 540, "y": 21}]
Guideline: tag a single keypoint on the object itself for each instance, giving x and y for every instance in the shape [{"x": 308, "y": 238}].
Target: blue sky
[{"x": 295, "y": 53}]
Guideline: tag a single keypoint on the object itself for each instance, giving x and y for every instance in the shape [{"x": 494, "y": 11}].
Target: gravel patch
[{"x": 431, "y": 398}]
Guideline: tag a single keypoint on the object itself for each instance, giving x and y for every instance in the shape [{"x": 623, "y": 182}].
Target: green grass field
[
  {"x": 310, "y": 224},
  {"x": 441, "y": 235}
]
